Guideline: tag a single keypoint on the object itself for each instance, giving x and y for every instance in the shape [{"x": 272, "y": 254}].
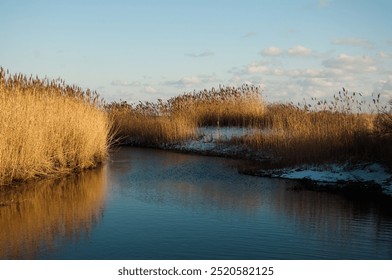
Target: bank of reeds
[
  {"x": 145, "y": 125},
  {"x": 344, "y": 128},
  {"x": 177, "y": 119},
  {"x": 226, "y": 106},
  {"x": 48, "y": 128}
]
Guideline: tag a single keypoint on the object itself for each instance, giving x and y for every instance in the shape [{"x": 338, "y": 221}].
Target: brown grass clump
[
  {"x": 345, "y": 128},
  {"x": 314, "y": 133},
  {"x": 228, "y": 106},
  {"x": 48, "y": 128},
  {"x": 145, "y": 125},
  {"x": 176, "y": 120},
  {"x": 383, "y": 126},
  {"x": 384, "y": 121}
]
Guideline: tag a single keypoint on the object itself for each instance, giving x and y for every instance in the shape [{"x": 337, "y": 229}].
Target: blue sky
[{"x": 144, "y": 50}]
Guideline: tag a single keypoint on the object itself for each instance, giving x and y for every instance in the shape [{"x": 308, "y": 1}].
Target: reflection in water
[
  {"x": 338, "y": 220},
  {"x": 254, "y": 217},
  {"x": 165, "y": 205},
  {"x": 155, "y": 176},
  {"x": 39, "y": 217}
]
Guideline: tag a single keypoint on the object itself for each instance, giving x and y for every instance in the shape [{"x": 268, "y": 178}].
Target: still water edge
[{"x": 152, "y": 204}]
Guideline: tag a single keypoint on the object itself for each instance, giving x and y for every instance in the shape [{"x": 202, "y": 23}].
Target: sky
[{"x": 142, "y": 50}]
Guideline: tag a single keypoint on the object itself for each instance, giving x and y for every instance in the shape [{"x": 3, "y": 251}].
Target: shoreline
[{"x": 370, "y": 178}]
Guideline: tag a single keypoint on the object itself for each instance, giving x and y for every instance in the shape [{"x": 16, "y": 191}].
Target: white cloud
[
  {"x": 299, "y": 51},
  {"x": 257, "y": 68},
  {"x": 202, "y": 54},
  {"x": 193, "y": 80},
  {"x": 355, "y": 42},
  {"x": 149, "y": 89},
  {"x": 355, "y": 73},
  {"x": 356, "y": 64},
  {"x": 385, "y": 88},
  {"x": 310, "y": 72},
  {"x": 185, "y": 82},
  {"x": 119, "y": 83},
  {"x": 384, "y": 55},
  {"x": 271, "y": 51}
]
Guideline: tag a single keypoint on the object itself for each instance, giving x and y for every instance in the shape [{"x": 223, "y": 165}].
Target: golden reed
[
  {"x": 345, "y": 128},
  {"x": 48, "y": 128}
]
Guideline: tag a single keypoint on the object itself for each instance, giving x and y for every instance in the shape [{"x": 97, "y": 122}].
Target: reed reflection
[
  {"x": 39, "y": 217},
  {"x": 191, "y": 181},
  {"x": 337, "y": 218}
]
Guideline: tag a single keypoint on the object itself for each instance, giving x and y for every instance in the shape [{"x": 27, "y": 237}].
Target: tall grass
[
  {"x": 144, "y": 125},
  {"x": 230, "y": 106},
  {"x": 177, "y": 119},
  {"x": 345, "y": 128},
  {"x": 339, "y": 130},
  {"x": 383, "y": 125},
  {"x": 48, "y": 128}
]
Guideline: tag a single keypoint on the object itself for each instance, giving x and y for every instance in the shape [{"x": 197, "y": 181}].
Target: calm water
[{"x": 149, "y": 204}]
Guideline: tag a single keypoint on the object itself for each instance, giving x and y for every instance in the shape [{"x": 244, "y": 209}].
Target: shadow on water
[{"x": 39, "y": 218}]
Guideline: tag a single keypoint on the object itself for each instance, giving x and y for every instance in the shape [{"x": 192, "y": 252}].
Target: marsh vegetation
[
  {"x": 348, "y": 127},
  {"x": 49, "y": 128}
]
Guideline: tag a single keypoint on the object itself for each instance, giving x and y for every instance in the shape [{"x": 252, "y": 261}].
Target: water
[{"x": 151, "y": 204}]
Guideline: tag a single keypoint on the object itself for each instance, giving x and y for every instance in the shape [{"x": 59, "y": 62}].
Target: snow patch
[
  {"x": 214, "y": 141},
  {"x": 366, "y": 173}
]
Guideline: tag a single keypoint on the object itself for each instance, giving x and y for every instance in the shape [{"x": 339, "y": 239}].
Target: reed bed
[
  {"x": 143, "y": 125},
  {"x": 345, "y": 128},
  {"x": 48, "y": 128},
  {"x": 177, "y": 119},
  {"x": 226, "y": 106}
]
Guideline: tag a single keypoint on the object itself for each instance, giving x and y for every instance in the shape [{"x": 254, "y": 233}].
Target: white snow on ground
[
  {"x": 214, "y": 141},
  {"x": 374, "y": 173},
  {"x": 211, "y": 139},
  {"x": 213, "y": 134}
]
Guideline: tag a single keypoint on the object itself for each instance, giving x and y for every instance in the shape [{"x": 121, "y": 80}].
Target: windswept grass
[{"x": 48, "y": 128}]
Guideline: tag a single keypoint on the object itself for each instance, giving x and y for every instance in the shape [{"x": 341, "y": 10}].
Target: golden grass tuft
[
  {"x": 147, "y": 128},
  {"x": 48, "y": 128},
  {"x": 230, "y": 106}
]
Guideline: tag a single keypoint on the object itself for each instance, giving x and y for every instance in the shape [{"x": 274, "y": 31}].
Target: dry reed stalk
[{"x": 48, "y": 128}]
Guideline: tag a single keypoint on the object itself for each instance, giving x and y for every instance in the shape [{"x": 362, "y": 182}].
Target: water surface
[{"x": 152, "y": 204}]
